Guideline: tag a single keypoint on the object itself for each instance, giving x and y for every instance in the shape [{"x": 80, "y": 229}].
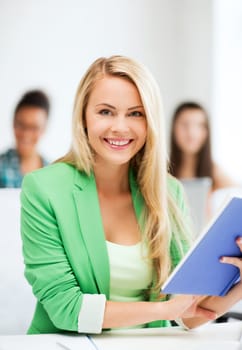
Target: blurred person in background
[
  {"x": 190, "y": 146},
  {"x": 29, "y": 124}
]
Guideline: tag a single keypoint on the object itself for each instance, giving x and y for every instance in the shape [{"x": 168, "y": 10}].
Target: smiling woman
[
  {"x": 30, "y": 119},
  {"x": 104, "y": 226}
]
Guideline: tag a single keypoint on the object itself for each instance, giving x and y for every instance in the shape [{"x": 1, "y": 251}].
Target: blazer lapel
[{"x": 86, "y": 199}]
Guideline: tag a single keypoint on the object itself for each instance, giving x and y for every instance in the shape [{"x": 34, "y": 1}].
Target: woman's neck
[
  {"x": 111, "y": 180},
  {"x": 188, "y": 166}
]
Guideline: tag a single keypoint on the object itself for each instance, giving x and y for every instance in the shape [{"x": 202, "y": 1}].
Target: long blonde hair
[{"x": 162, "y": 218}]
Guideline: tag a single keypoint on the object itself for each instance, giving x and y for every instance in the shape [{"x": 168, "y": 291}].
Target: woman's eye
[
  {"x": 136, "y": 114},
  {"x": 105, "y": 112}
]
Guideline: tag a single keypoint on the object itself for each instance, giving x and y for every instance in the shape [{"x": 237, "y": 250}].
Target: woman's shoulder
[
  {"x": 55, "y": 175},
  {"x": 54, "y": 168}
]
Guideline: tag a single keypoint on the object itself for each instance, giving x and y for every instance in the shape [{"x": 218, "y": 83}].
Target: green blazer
[{"x": 64, "y": 244}]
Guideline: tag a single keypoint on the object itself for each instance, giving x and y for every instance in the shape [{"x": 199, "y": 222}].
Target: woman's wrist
[{"x": 163, "y": 310}]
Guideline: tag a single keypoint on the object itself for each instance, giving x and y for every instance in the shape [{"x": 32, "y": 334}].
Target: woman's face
[
  {"x": 190, "y": 130},
  {"x": 29, "y": 125},
  {"x": 115, "y": 121}
]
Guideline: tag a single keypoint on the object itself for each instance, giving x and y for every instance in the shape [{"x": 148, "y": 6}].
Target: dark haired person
[
  {"x": 29, "y": 124},
  {"x": 190, "y": 148}
]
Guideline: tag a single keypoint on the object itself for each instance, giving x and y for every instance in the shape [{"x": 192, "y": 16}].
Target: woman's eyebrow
[
  {"x": 135, "y": 107},
  {"x": 105, "y": 104}
]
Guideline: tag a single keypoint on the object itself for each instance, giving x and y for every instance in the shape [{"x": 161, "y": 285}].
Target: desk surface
[{"x": 219, "y": 336}]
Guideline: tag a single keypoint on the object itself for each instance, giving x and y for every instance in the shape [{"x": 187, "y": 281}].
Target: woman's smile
[{"x": 118, "y": 143}]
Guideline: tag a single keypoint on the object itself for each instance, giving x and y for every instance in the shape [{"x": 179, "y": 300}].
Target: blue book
[{"x": 200, "y": 272}]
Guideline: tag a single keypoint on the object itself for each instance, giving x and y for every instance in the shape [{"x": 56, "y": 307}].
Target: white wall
[
  {"x": 190, "y": 65},
  {"x": 49, "y": 44},
  {"x": 194, "y": 40},
  {"x": 227, "y": 89}
]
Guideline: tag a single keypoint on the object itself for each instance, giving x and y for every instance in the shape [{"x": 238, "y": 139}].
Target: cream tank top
[{"x": 130, "y": 271}]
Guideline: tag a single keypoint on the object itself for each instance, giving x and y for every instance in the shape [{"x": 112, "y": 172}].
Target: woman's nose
[{"x": 120, "y": 124}]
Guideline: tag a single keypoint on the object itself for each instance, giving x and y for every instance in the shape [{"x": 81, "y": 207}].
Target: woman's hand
[
  {"x": 219, "y": 304},
  {"x": 234, "y": 260},
  {"x": 186, "y": 306}
]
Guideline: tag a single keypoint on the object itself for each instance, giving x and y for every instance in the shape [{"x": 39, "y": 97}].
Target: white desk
[{"x": 214, "y": 336}]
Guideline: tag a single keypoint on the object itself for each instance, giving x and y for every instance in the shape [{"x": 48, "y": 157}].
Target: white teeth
[{"x": 118, "y": 143}]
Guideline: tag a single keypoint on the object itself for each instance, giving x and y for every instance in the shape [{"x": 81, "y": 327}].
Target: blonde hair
[{"x": 162, "y": 220}]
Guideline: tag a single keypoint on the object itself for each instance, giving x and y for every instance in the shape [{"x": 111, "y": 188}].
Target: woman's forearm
[
  {"x": 126, "y": 314},
  {"x": 219, "y": 305}
]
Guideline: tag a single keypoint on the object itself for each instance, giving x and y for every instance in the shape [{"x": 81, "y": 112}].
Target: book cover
[{"x": 200, "y": 271}]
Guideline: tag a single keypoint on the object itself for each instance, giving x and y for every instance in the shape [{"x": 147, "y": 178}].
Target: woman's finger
[
  {"x": 232, "y": 261},
  {"x": 239, "y": 243}
]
